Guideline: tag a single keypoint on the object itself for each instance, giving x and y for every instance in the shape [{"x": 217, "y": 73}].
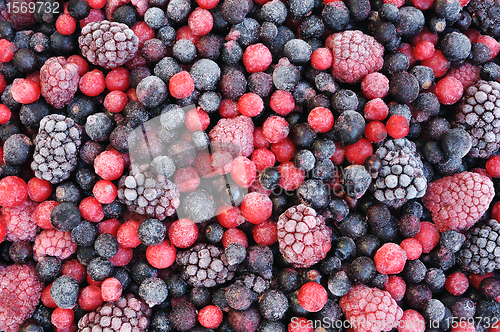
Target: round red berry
[
  {"x": 75, "y": 269},
  {"x": 438, "y": 63},
  {"x": 375, "y": 131},
  {"x": 312, "y": 296},
  {"x": 243, "y": 171},
  {"x": 357, "y": 153},
  {"x": 7, "y": 50},
  {"x": 207, "y": 4},
  {"x": 290, "y": 176},
  {"x": 412, "y": 247},
  {"x": 265, "y": 233},
  {"x": 396, "y": 286},
  {"x": 449, "y": 90},
  {"x": 104, "y": 191},
  {"x": 90, "y": 298},
  {"x": 62, "y": 318},
  {"x": 13, "y": 191},
  {"x": 428, "y": 236},
  {"x": 109, "y": 165},
  {"x": 300, "y": 324},
  {"x": 25, "y": 91},
  {"x": 390, "y": 259},
  {"x": 187, "y": 179},
  {"x": 181, "y": 85},
  {"x": 183, "y": 233},
  {"x": 82, "y": 64},
  {"x": 493, "y": 166},
  {"x": 397, "y": 126},
  {"x": 256, "y": 207},
  {"x": 257, "y": 58},
  {"x": 65, "y": 24},
  {"x": 115, "y": 101},
  {"x": 412, "y": 321},
  {"x": 127, "y": 234},
  {"x": 228, "y": 108},
  {"x": 282, "y": 102},
  {"x": 122, "y": 257},
  {"x": 263, "y": 158},
  {"x": 200, "y": 21},
  {"x": 250, "y": 104},
  {"x": 375, "y": 85},
  {"x": 229, "y": 217},
  {"x": 492, "y": 44},
  {"x": 39, "y": 190},
  {"x": 456, "y": 283},
  {"x": 161, "y": 255},
  {"x": 320, "y": 119},
  {"x": 3, "y": 83},
  {"x": 197, "y": 119},
  {"x": 376, "y": 110},
  {"x": 111, "y": 289},
  {"x": 283, "y": 151},
  {"x": 234, "y": 235},
  {"x": 5, "y": 113},
  {"x": 110, "y": 226},
  {"x": 91, "y": 209},
  {"x": 275, "y": 129},
  {"x": 118, "y": 79},
  {"x": 321, "y": 58},
  {"x": 92, "y": 83},
  {"x": 424, "y": 50},
  {"x": 210, "y": 316}
]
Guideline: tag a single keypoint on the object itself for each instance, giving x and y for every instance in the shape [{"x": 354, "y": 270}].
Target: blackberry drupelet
[
  {"x": 401, "y": 177},
  {"x": 480, "y": 252},
  {"x": 205, "y": 265},
  {"x": 108, "y": 44},
  {"x": 56, "y": 148},
  {"x": 143, "y": 193},
  {"x": 479, "y": 115}
]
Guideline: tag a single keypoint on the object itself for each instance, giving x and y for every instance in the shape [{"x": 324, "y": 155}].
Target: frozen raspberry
[
  {"x": 233, "y": 135},
  {"x": 354, "y": 55},
  {"x": 58, "y": 81},
  {"x": 126, "y": 314},
  {"x": 466, "y": 73},
  {"x": 303, "y": 237},
  {"x": 20, "y": 292},
  {"x": 18, "y": 222},
  {"x": 54, "y": 243},
  {"x": 108, "y": 44},
  {"x": 457, "y": 202},
  {"x": 370, "y": 309}
]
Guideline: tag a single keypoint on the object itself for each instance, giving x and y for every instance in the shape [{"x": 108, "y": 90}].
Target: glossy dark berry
[
  {"x": 345, "y": 248},
  {"x": 395, "y": 62},
  {"x": 79, "y": 9},
  {"x": 404, "y": 87},
  {"x": 302, "y": 135},
  {"x": 25, "y": 60},
  {"x": 367, "y": 245},
  {"x": 362, "y": 270},
  {"x": 337, "y": 209}
]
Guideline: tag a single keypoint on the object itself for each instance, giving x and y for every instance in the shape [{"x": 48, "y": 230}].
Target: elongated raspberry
[
  {"x": 355, "y": 55},
  {"x": 303, "y": 237},
  {"x": 20, "y": 292},
  {"x": 233, "y": 135},
  {"x": 54, "y": 243},
  {"x": 457, "y": 202},
  {"x": 18, "y": 222},
  {"x": 370, "y": 309},
  {"x": 58, "y": 81}
]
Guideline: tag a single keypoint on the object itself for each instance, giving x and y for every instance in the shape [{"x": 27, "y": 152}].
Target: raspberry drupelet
[{"x": 303, "y": 237}]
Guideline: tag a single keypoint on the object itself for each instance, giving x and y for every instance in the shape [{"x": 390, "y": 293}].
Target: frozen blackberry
[
  {"x": 56, "y": 147},
  {"x": 401, "y": 177},
  {"x": 65, "y": 216},
  {"x": 144, "y": 193},
  {"x": 119, "y": 43},
  {"x": 355, "y": 180},
  {"x": 210, "y": 101},
  {"x": 151, "y": 232},
  {"x": 484, "y": 15},
  {"x": 477, "y": 114},
  {"x": 84, "y": 234},
  {"x": 17, "y": 150},
  {"x": 273, "y": 305},
  {"x": 68, "y": 192},
  {"x": 480, "y": 252},
  {"x": 99, "y": 269},
  {"x": 349, "y": 127},
  {"x": 235, "y": 253},
  {"x": 205, "y": 74},
  {"x": 64, "y": 291},
  {"x": 304, "y": 160},
  {"x": 48, "y": 268},
  {"x": 106, "y": 245},
  {"x": 98, "y": 127},
  {"x": 455, "y": 46},
  {"x": 269, "y": 178},
  {"x": 20, "y": 252},
  {"x": 153, "y": 291},
  {"x": 205, "y": 265},
  {"x": 285, "y": 75},
  {"x": 233, "y": 84},
  {"x": 184, "y": 51}
]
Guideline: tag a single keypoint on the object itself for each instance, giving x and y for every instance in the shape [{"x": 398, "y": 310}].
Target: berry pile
[{"x": 250, "y": 166}]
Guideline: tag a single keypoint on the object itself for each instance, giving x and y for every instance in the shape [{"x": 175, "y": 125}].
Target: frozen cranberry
[
  {"x": 312, "y": 296},
  {"x": 111, "y": 289},
  {"x": 197, "y": 119},
  {"x": 282, "y": 102},
  {"x": 438, "y": 63},
  {"x": 62, "y": 318},
  {"x": 339, "y": 154},
  {"x": 185, "y": 32},
  {"x": 320, "y": 119},
  {"x": 39, "y": 190},
  {"x": 83, "y": 65},
  {"x": 13, "y": 191},
  {"x": 200, "y": 21},
  {"x": 300, "y": 324},
  {"x": 109, "y": 165},
  {"x": 456, "y": 283},
  {"x": 183, "y": 233},
  {"x": 127, "y": 234},
  {"x": 91, "y": 209},
  {"x": 115, "y": 101},
  {"x": 75, "y": 269},
  {"x": 375, "y": 132},
  {"x": 207, "y": 4},
  {"x": 7, "y": 50},
  {"x": 122, "y": 257},
  {"x": 412, "y": 247},
  {"x": 250, "y": 104},
  {"x": 41, "y": 214},
  {"x": 90, "y": 298},
  {"x": 234, "y": 235},
  {"x": 25, "y": 91},
  {"x": 228, "y": 109},
  {"x": 492, "y": 44},
  {"x": 376, "y": 109},
  {"x": 243, "y": 171},
  {"x": 290, "y": 176},
  {"x": 186, "y": 179},
  {"x": 356, "y": 153},
  {"x": 47, "y": 299},
  {"x": 118, "y": 79},
  {"x": 3, "y": 83},
  {"x": 161, "y": 255},
  {"x": 265, "y": 233},
  {"x": 283, "y": 151},
  {"x": 210, "y": 317},
  {"x": 321, "y": 58},
  {"x": 97, "y": 4},
  {"x": 449, "y": 90},
  {"x": 257, "y": 58},
  {"x": 65, "y": 24},
  {"x": 424, "y": 50},
  {"x": 143, "y": 32},
  {"x": 259, "y": 140},
  {"x": 256, "y": 207},
  {"x": 390, "y": 259},
  {"x": 181, "y": 85},
  {"x": 397, "y": 126},
  {"x": 428, "y": 236},
  {"x": 375, "y": 85},
  {"x": 92, "y": 83},
  {"x": 396, "y": 286},
  {"x": 229, "y": 216},
  {"x": 110, "y": 226},
  {"x": 263, "y": 158}
]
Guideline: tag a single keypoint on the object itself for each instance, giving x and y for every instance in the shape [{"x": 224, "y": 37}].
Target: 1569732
[{"x": 39, "y": 7}]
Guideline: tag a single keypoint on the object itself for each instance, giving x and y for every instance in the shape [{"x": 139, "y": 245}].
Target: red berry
[
  {"x": 183, "y": 233},
  {"x": 412, "y": 247},
  {"x": 109, "y": 165},
  {"x": 181, "y": 85},
  {"x": 291, "y": 176},
  {"x": 250, "y": 104},
  {"x": 186, "y": 179},
  {"x": 449, "y": 90},
  {"x": 312, "y": 296},
  {"x": 257, "y": 58},
  {"x": 7, "y": 50},
  {"x": 495, "y": 211},
  {"x": 62, "y": 318},
  {"x": 161, "y": 255},
  {"x": 196, "y": 119},
  {"x": 41, "y": 214},
  {"x": 256, "y": 207},
  {"x": 3, "y": 232},
  {"x": 282, "y": 102},
  {"x": 492, "y": 44},
  {"x": 127, "y": 234},
  {"x": 200, "y": 21},
  {"x": 263, "y": 158},
  {"x": 356, "y": 153},
  {"x": 210, "y": 316},
  {"x": 229, "y": 217},
  {"x": 90, "y": 298},
  {"x": 25, "y": 91},
  {"x": 283, "y": 151},
  {"x": 91, "y": 209},
  {"x": 320, "y": 119},
  {"x": 276, "y": 129},
  {"x": 5, "y": 114},
  {"x": 428, "y": 236},
  {"x": 425, "y": 35},
  {"x": 397, "y": 126},
  {"x": 207, "y": 4},
  {"x": 92, "y": 83},
  {"x": 83, "y": 65},
  {"x": 3, "y": 83},
  {"x": 234, "y": 235},
  {"x": 375, "y": 131},
  {"x": 75, "y": 269},
  {"x": 407, "y": 50},
  {"x": 390, "y": 259},
  {"x": 424, "y": 50},
  {"x": 321, "y": 58},
  {"x": 104, "y": 191},
  {"x": 13, "y": 191},
  {"x": 412, "y": 321},
  {"x": 397, "y": 3},
  {"x": 111, "y": 289},
  {"x": 300, "y": 324},
  {"x": 265, "y": 233},
  {"x": 47, "y": 299},
  {"x": 39, "y": 190},
  {"x": 228, "y": 109},
  {"x": 65, "y": 24},
  {"x": 493, "y": 166},
  {"x": 438, "y": 63},
  {"x": 122, "y": 257},
  {"x": 185, "y": 32},
  {"x": 396, "y": 286},
  {"x": 97, "y": 4},
  {"x": 115, "y": 101},
  {"x": 117, "y": 79},
  {"x": 456, "y": 283},
  {"x": 110, "y": 226},
  {"x": 243, "y": 171},
  {"x": 143, "y": 32},
  {"x": 375, "y": 85},
  {"x": 259, "y": 140},
  {"x": 339, "y": 154}
]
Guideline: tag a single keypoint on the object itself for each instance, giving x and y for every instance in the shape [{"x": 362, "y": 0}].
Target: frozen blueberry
[
  {"x": 48, "y": 268},
  {"x": 106, "y": 245},
  {"x": 153, "y": 291},
  {"x": 64, "y": 291},
  {"x": 65, "y": 216}
]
